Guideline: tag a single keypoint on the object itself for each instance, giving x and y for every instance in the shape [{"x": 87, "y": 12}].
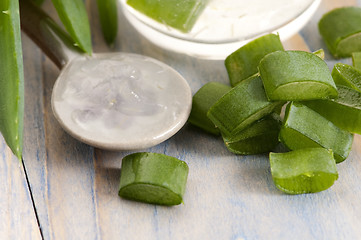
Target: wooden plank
[
  {"x": 17, "y": 214},
  {"x": 34, "y": 154},
  {"x": 296, "y": 42},
  {"x": 64, "y": 209},
  {"x": 59, "y": 177},
  {"x": 18, "y": 219},
  {"x": 227, "y": 196},
  {"x": 58, "y": 171}
]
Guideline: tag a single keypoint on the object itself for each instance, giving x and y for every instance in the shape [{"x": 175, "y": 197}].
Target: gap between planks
[{"x": 32, "y": 199}]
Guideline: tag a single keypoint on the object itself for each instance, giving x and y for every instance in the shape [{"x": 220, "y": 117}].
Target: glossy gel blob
[{"x": 121, "y": 101}]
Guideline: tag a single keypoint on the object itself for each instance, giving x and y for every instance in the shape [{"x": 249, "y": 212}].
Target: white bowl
[{"x": 226, "y": 25}]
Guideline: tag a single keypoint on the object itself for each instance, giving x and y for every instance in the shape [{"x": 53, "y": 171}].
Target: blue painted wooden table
[{"x": 65, "y": 189}]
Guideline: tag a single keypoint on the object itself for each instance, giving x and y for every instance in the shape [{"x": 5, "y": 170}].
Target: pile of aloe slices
[{"x": 321, "y": 113}]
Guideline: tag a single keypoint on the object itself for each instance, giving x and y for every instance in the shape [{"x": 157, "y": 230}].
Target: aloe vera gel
[{"x": 128, "y": 99}]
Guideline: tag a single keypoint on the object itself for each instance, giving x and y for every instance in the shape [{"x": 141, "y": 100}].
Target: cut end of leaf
[
  {"x": 307, "y": 170},
  {"x": 348, "y": 45},
  {"x": 149, "y": 193},
  {"x": 306, "y": 90}
]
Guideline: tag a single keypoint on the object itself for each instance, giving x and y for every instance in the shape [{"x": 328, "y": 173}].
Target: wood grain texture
[
  {"x": 18, "y": 220},
  {"x": 227, "y": 196}
]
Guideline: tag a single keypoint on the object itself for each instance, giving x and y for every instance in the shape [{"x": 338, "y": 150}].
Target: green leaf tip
[{"x": 73, "y": 15}]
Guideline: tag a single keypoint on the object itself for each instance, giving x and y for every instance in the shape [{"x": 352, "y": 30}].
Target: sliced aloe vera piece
[
  {"x": 241, "y": 106},
  {"x": 303, "y": 128},
  {"x": 108, "y": 15},
  {"x": 307, "y": 170},
  {"x": 296, "y": 75},
  {"x": 356, "y": 60},
  {"x": 344, "y": 111},
  {"x": 180, "y": 15},
  {"x": 347, "y": 75},
  {"x": 204, "y": 98},
  {"x": 341, "y": 31},
  {"x": 260, "y": 137},
  {"x": 243, "y": 63},
  {"x": 153, "y": 178},
  {"x": 11, "y": 76}
]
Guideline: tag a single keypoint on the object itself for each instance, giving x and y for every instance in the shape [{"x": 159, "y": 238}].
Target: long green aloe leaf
[
  {"x": 73, "y": 15},
  {"x": 11, "y": 76},
  {"x": 108, "y": 14}
]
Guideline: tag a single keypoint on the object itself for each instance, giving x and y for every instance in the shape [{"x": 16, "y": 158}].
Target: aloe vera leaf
[
  {"x": 347, "y": 75},
  {"x": 341, "y": 31},
  {"x": 304, "y": 127},
  {"x": 11, "y": 76},
  {"x": 73, "y": 15},
  {"x": 260, "y": 137},
  {"x": 203, "y": 99},
  {"x": 181, "y": 15},
  {"x": 356, "y": 60},
  {"x": 344, "y": 111},
  {"x": 241, "y": 106},
  {"x": 306, "y": 170},
  {"x": 153, "y": 178},
  {"x": 108, "y": 15},
  {"x": 243, "y": 63},
  {"x": 296, "y": 75}
]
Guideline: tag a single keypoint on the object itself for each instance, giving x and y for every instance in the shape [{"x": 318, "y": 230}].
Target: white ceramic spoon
[{"x": 117, "y": 101}]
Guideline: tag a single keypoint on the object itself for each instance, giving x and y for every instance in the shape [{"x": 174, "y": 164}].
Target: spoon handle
[{"x": 46, "y": 33}]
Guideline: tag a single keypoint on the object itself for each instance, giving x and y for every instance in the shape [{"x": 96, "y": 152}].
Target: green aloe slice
[
  {"x": 356, "y": 60},
  {"x": 303, "y": 128},
  {"x": 296, "y": 75},
  {"x": 344, "y": 111},
  {"x": 341, "y": 31},
  {"x": 243, "y": 63},
  {"x": 153, "y": 178},
  {"x": 11, "y": 77},
  {"x": 306, "y": 170},
  {"x": 181, "y": 15},
  {"x": 73, "y": 15},
  {"x": 203, "y": 99},
  {"x": 347, "y": 75},
  {"x": 108, "y": 15},
  {"x": 241, "y": 106},
  {"x": 260, "y": 137}
]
